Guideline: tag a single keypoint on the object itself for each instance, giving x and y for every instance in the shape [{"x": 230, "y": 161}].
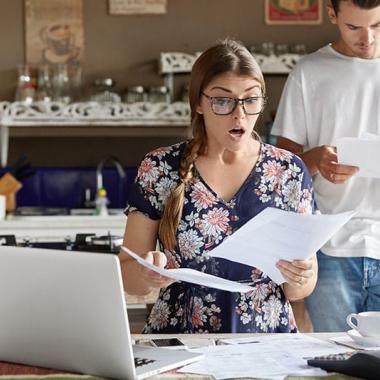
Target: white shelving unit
[
  {"x": 133, "y": 119},
  {"x": 176, "y": 63}
]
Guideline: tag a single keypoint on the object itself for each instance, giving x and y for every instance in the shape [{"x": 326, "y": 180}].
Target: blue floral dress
[{"x": 279, "y": 179}]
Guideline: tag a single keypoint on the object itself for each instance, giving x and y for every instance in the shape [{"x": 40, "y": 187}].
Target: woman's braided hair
[{"x": 226, "y": 56}]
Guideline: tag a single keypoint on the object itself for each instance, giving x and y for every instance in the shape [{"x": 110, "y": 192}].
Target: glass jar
[
  {"x": 267, "y": 48},
  {"x": 159, "y": 94},
  {"x": 135, "y": 94},
  {"x": 298, "y": 49},
  {"x": 102, "y": 90},
  {"x": 26, "y": 84},
  {"x": 282, "y": 49}
]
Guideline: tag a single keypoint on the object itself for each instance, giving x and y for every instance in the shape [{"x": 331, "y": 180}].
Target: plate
[{"x": 363, "y": 340}]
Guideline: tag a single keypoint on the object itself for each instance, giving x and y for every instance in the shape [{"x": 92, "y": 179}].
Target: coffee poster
[
  {"x": 293, "y": 12},
  {"x": 54, "y": 31},
  {"x": 137, "y": 7}
]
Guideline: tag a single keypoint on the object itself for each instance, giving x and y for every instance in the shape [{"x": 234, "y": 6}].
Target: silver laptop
[{"x": 66, "y": 310}]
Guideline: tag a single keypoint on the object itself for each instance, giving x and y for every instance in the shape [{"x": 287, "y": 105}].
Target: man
[{"x": 332, "y": 93}]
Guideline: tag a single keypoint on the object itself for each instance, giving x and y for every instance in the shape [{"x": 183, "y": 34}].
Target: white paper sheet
[
  {"x": 363, "y": 152},
  {"x": 271, "y": 357},
  {"x": 348, "y": 342},
  {"x": 276, "y": 234},
  {"x": 193, "y": 276},
  {"x": 301, "y": 345}
]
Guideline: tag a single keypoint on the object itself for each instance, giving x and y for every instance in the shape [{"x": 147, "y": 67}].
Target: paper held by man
[
  {"x": 362, "y": 152},
  {"x": 270, "y": 236}
]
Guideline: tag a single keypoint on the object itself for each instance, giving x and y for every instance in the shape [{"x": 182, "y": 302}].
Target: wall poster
[
  {"x": 137, "y": 7},
  {"x": 54, "y": 31},
  {"x": 293, "y": 12}
]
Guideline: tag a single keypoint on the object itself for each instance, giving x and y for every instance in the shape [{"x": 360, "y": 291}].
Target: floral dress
[{"x": 279, "y": 179}]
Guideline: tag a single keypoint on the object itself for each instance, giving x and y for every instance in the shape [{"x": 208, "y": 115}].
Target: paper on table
[
  {"x": 276, "y": 234},
  {"x": 270, "y": 357},
  {"x": 363, "y": 152},
  {"x": 193, "y": 276},
  {"x": 304, "y": 346}
]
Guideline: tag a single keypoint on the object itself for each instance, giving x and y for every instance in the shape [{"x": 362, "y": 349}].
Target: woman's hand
[
  {"x": 296, "y": 272},
  {"x": 154, "y": 279},
  {"x": 300, "y": 277}
]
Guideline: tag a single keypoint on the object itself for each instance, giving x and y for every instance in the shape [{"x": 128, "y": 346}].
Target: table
[{"x": 10, "y": 371}]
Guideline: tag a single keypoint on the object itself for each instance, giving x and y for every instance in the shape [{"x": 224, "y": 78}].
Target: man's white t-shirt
[{"x": 329, "y": 95}]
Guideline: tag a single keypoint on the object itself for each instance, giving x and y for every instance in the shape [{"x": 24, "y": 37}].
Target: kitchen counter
[{"x": 60, "y": 227}]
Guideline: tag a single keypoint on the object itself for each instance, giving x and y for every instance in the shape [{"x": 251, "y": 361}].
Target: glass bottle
[
  {"x": 61, "y": 83},
  {"x": 75, "y": 75},
  {"x": 101, "y": 202},
  {"x": 44, "y": 86},
  {"x": 185, "y": 93}
]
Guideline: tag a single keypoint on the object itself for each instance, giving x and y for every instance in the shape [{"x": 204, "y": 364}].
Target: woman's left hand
[{"x": 297, "y": 272}]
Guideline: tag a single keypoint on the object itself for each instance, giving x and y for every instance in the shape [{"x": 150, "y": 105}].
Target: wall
[{"x": 126, "y": 48}]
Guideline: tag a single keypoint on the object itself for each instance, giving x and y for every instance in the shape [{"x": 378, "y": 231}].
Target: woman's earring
[{"x": 199, "y": 112}]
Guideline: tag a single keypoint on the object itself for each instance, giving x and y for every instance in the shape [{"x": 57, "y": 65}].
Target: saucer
[{"x": 364, "y": 340}]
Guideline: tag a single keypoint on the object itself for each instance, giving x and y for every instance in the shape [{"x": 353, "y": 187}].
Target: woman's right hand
[{"x": 154, "y": 279}]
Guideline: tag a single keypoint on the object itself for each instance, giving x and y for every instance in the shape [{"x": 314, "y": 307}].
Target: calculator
[{"x": 363, "y": 364}]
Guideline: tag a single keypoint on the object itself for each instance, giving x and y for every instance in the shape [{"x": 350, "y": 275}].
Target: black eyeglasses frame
[{"x": 237, "y": 101}]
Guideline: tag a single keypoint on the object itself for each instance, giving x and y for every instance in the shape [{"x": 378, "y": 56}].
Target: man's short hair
[{"x": 364, "y": 4}]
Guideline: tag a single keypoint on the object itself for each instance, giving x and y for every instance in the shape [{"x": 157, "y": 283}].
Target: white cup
[
  {"x": 2, "y": 207},
  {"x": 367, "y": 323}
]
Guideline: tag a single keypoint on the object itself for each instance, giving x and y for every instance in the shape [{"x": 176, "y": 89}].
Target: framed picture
[
  {"x": 54, "y": 31},
  {"x": 293, "y": 12},
  {"x": 137, "y": 7}
]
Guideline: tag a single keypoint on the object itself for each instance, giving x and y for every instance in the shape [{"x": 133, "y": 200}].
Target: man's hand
[
  {"x": 326, "y": 160},
  {"x": 322, "y": 159}
]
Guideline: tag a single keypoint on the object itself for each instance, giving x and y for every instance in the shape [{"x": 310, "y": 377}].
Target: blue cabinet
[{"x": 65, "y": 187}]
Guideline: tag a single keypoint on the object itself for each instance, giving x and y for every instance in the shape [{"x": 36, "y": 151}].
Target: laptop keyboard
[{"x": 139, "y": 362}]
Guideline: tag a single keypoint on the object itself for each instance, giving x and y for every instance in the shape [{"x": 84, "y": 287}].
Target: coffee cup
[{"x": 366, "y": 324}]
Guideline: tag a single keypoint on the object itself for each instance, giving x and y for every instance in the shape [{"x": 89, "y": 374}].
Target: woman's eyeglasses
[{"x": 221, "y": 105}]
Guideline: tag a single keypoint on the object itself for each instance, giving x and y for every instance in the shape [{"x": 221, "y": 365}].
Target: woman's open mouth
[{"x": 236, "y": 132}]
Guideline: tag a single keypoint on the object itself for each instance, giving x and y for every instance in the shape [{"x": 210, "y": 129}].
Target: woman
[{"x": 193, "y": 195}]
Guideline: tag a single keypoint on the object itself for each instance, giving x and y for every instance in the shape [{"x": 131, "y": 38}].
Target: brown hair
[
  {"x": 226, "y": 56},
  {"x": 363, "y": 4}
]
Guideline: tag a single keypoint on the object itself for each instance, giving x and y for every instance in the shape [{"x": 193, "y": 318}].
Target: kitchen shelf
[
  {"x": 172, "y": 63},
  {"x": 91, "y": 118},
  {"x": 175, "y": 63}
]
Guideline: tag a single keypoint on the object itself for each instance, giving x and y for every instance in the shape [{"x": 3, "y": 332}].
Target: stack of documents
[{"x": 268, "y": 356}]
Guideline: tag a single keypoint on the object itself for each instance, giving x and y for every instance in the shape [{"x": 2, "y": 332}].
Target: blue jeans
[{"x": 345, "y": 285}]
